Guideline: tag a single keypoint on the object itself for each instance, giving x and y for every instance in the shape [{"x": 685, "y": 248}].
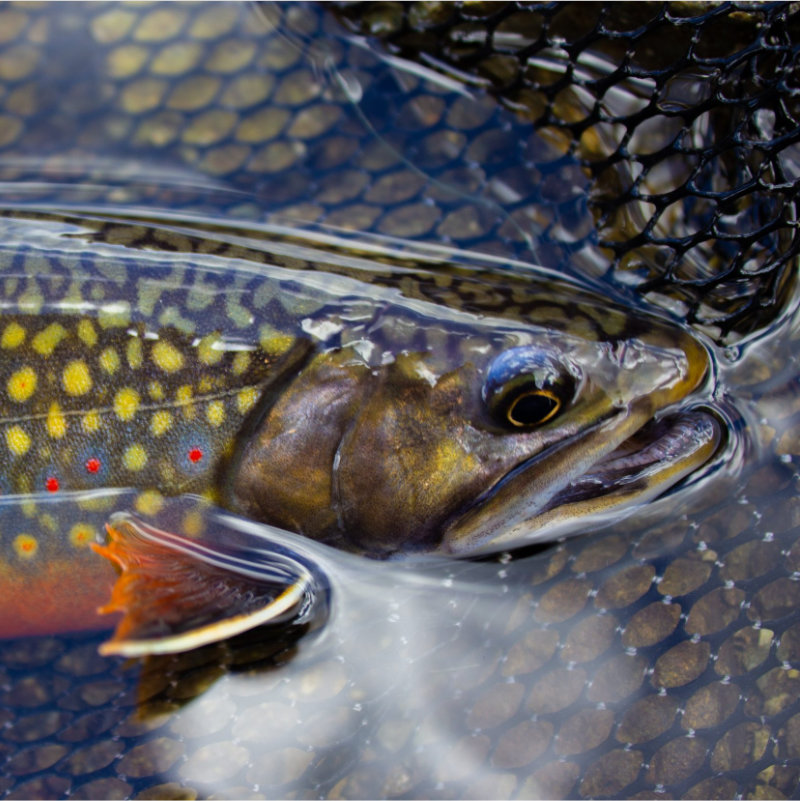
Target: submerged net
[
  {"x": 684, "y": 118},
  {"x": 653, "y": 147}
]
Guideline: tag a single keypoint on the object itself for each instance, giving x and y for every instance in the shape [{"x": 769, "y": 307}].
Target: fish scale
[
  {"x": 654, "y": 658},
  {"x": 121, "y": 381}
]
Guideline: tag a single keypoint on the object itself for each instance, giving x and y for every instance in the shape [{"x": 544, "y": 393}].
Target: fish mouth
[
  {"x": 672, "y": 447},
  {"x": 555, "y": 493}
]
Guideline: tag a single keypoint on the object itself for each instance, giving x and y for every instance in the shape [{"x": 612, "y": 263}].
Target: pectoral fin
[{"x": 177, "y": 594}]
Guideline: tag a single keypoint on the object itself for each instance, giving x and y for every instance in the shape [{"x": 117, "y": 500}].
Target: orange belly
[{"x": 56, "y": 596}]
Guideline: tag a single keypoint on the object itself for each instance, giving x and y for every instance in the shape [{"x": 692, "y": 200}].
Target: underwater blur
[{"x": 412, "y": 389}]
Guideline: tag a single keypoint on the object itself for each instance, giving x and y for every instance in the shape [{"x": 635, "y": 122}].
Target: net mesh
[{"x": 684, "y": 118}]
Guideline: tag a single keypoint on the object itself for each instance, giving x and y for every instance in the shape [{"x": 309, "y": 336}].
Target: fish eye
[
  {"x": 527, "y": 386},
  {"x": 532, "y": 408}
]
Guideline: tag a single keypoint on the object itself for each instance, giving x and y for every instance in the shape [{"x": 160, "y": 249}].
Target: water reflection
[
  {"x": 622, "y": 662},
  {"x": 655, "y": 656}
]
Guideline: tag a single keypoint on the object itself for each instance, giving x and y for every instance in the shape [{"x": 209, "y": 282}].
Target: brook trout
[{"x": 353, "y": 414}]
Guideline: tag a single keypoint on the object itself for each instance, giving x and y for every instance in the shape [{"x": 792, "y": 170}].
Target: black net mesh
[{"x": 683, "y": 116}]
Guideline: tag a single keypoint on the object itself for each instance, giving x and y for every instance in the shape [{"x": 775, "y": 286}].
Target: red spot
[
  {"x": 52, "y": 484},
  {"x": 195, "y": 455},
  {"x": 92, "y": 465}
]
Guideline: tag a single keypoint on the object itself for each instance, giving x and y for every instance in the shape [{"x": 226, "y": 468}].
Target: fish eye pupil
[
  {"x": 528, "y": 385},
  {"x": 532, "y": 408}
]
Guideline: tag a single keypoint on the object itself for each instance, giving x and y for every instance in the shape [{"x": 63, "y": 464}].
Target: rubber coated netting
[{"x": 685, "y": 117}]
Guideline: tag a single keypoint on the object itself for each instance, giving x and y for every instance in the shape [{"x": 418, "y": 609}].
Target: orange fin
[{"x": 178, "y": 593}]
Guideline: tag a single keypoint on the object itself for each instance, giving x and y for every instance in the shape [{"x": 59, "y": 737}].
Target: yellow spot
[
  {"x": 135, "y": 457},
  {"x": 204, "y": 385},
  {"x": 48, "y": 523},
  {"x": 13, "y": 336},
  {"x": 96, "y": 503},
  {"x": 56, "y": 422},
  {"x": 193, "y": 524},
  {"x": 160, "y": 423},
  {"x": 81, "y": 534},
  {"x": 25, "y": 546},
  {"x": 45, "y": 342},
  {"x": 246, "y": 399},
  {"x": 184, "y": 398},
  {"x": 241, "y": 361},
  {"x": 91, "y": 421},
  {"x": 167, "y": 356},
  {"x": 155, "y": 390},
  {"x": 210, "y": 349},
  {"x": 87, "y": 333},
  {"x": 17, "y": 440},
  {"x": 134, "y": 353},
  {"x": 273, "y": 341},
  {"x": 22, "y": 384},
  {"x": 76, "y": 378},
  {"x": 149, "y": 503},
  {"x": 126, "y": 402},
  {"x": 215, "y": 412},
  {"x": 114, "y": 315},
  {"x": 109, "y": 360}
]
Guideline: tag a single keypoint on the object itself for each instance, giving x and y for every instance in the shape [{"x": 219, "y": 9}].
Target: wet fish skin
[
  {"x": 203, "y": 374},
  {"x": 382, "y": 458},
  {"x": 87, "y": 407},
  {"x": 113, "y": 395}
]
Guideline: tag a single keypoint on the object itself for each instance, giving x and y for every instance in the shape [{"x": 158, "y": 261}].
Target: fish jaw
[
  {"x": 556, "y": 494},
  {"x": 628, "y": 449},
  {"x": 464, "y": 485}
]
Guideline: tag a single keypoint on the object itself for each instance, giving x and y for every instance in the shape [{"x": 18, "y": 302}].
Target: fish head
[{"x": 497, "y": 435}]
